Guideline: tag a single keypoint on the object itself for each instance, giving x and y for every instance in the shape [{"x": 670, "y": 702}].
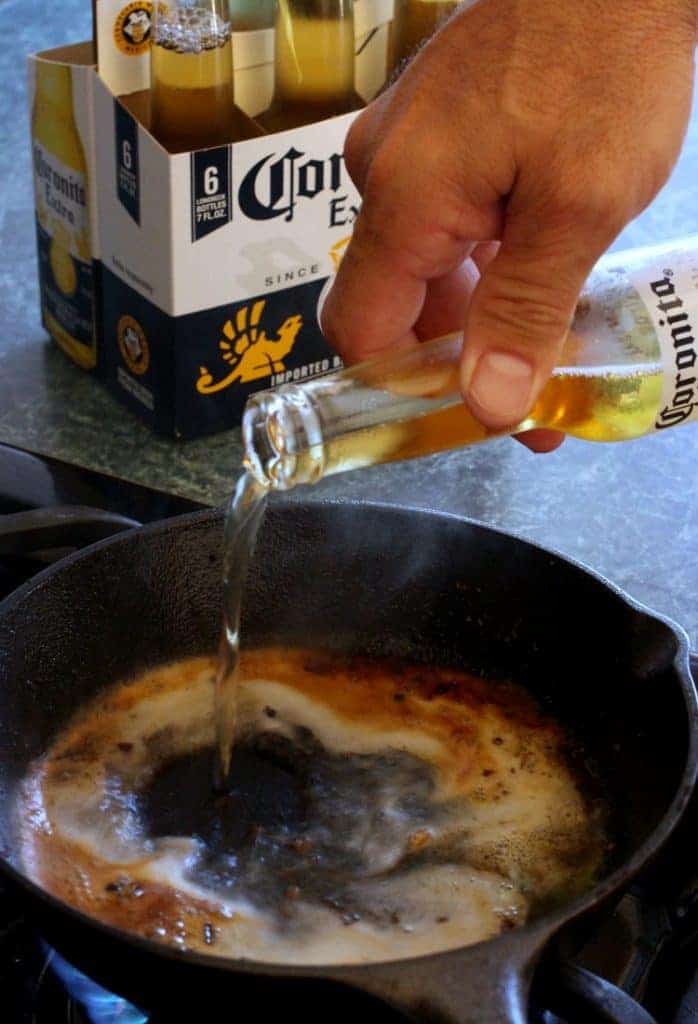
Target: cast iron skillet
[{"x": 377, "y": 580}]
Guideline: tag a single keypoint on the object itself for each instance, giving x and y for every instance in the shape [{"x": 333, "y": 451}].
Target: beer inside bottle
[
  {"x": 251, "y": 15},
  {"x": 628, "y": 368},
  {"x": 62, "y": 215},
  {"x": 313, "y": 64},
  {"x": 192, "y": 91},
  {"x": 414, "y": 22}
]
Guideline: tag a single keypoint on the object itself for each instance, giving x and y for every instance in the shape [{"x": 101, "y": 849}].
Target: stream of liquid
[{"x": 242, "y": 522}]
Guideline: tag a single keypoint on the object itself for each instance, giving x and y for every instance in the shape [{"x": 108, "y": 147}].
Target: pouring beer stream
[{"x": 627, "y": 369}]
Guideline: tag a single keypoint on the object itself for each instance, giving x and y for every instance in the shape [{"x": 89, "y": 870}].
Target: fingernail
[{"x": 501, "y": 388}]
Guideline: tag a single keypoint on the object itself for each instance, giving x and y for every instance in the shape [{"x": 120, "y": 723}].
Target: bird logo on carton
[{"x": 249, "y": 351}]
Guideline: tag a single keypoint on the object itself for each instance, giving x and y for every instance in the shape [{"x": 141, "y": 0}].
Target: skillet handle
[
  {"x": 581, "y": 997},
  {"x": 485, "y": 984},
  {"x": 62, "y": 526}
]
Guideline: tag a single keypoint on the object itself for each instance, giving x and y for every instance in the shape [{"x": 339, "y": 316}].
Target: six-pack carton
[{"x": 186, "y": 282}]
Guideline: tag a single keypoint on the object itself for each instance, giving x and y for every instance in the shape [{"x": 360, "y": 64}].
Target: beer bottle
[
  {"x": 413, "y": 23},
  {"x": 251, "y": 15},
  {"x": 62, "y": 216},
  {"x": 314, "y": 63},
  {"x": 192, "y": 92},
  {"x": 628, "y": 368}
]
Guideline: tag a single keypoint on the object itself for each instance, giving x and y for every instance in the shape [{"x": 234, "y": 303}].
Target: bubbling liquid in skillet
[{"x": 377, "y": 811}]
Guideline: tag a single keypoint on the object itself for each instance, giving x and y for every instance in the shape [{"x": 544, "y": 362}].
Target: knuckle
[
  {"x": 655, "y": 171},
  {"x": 414, "y": 248},
  {"x": 606, "y": 210},
  {"x": 523, "y": 307},
  {"x": 429, "y": 254},
  {"x": 381, "y": 174},
  {"x": 594, "y": 206},
  {"x": 355, "y": 151},
  {"x": 420, "y": 239}
]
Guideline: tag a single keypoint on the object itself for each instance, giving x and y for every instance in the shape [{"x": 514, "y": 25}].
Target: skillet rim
[{"x": 530, "y": 936}]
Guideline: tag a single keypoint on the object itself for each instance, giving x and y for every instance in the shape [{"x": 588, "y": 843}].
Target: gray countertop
[{"x": 630, "y": 511}]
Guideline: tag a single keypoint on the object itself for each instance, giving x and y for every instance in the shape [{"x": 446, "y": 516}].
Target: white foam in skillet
[{"x": 507, "y": 843}]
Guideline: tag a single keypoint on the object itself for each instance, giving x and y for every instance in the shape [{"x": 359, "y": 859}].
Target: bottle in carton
[
  {"x": 192, "y": 90},
  {"x": 313, "y": 64},
  {"x": 414, "y": 22},
  {"x": 62, "y": 215},
  {"x": 251, "y": 15}
]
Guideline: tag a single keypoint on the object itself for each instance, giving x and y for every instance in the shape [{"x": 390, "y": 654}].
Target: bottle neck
[
  {"x": 283, "y": 438},
  {"x": 314, "y": 62},
  {"x": 251, "y": 15},
  {"x": 350, "y": 419},
  {"x": 415, "y": 21}
]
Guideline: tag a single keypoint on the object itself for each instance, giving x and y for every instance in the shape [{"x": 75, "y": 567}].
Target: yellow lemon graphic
[
  {"x": 337, "y": 251},
  {"x": 63, "y": 268}
]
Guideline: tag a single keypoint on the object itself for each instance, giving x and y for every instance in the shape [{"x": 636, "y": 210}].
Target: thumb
[{"x": 519, "y": 317}]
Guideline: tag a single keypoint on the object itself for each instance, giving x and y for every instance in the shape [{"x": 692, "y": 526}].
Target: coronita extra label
[
  {"x": 668, "y": 286},
  {"x": 63, "y": 244}
]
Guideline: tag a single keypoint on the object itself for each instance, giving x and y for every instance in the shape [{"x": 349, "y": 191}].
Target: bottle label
[
  {"x": 669, "y": 290},
  {"x": 63, "y": 237}
]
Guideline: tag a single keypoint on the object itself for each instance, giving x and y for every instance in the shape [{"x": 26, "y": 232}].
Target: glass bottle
[
  {"x": 62, "y": 215},
  {"x": 191, "y": 71},
  {"x": 628, "y": 368},
  {"x": 251, "y": 15},
  {"x": 313, "y": 64},
  {"x": 413, "y": 23}
]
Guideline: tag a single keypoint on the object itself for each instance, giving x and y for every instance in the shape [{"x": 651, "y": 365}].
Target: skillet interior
[{"x": 366, "y": 579}]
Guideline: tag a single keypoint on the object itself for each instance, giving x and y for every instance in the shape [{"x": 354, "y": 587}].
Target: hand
[{"x": 545, "y": 124}]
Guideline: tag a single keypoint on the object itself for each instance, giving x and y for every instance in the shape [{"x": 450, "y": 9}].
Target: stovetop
[{"x": 640, "y": 966}]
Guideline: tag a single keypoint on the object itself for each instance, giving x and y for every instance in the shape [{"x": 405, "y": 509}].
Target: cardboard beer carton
[{"x": 187, "y": 281}]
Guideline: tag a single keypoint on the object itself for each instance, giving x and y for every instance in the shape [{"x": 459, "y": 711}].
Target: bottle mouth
[{"x": 282, "y": 438}]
